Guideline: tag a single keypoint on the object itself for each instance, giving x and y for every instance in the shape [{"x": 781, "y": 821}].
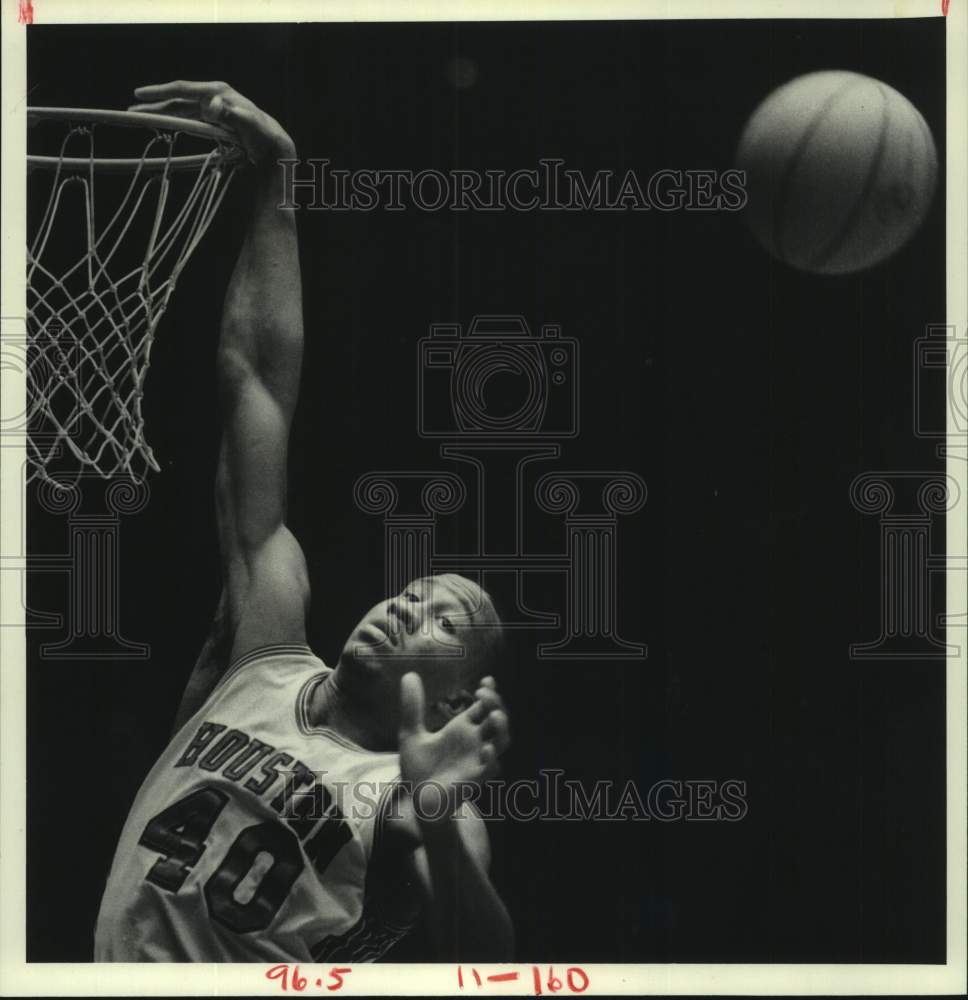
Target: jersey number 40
[{"x": 246, "y": 890}]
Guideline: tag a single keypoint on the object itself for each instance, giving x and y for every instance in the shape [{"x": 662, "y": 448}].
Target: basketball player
[{"x": 301, "y": 813}]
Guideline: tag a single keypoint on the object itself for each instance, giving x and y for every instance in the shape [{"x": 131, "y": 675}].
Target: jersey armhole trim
[
  {"x": 264, "y": 652},
  {"x": 306, "y": 727}
]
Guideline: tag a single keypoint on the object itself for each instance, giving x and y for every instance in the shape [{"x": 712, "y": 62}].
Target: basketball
[{"x": 840, "y": 171}]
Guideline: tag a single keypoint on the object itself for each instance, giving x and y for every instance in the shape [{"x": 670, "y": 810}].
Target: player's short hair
[{"x": 495, "y": 644}]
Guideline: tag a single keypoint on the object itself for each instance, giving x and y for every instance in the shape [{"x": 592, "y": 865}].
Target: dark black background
[{"x": 747, "y": 396}]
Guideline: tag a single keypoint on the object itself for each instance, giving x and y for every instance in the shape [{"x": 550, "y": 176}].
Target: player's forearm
[
  {"x": 262, "y": 324},
  {"x": 468, "y": 919}
]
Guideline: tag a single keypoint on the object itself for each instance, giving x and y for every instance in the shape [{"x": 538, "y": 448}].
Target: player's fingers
[
  {"x": 190, "y": 89},
  {"x": 180, "y": 106},
  {"x": 490, "y": 685},
  {"x": 490, "y": 697},
  {"x": 230, "y": 113},
  {"x": 488, "y": 759},
  {"x": 411, "y": 705},
  {"x": 215, "y": 109},
  {"x": 496, "y": 729},
  {"x": 484, "y": 701}
]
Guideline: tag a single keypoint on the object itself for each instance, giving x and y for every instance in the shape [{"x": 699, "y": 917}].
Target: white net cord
[{"x": 91, "y": 320}]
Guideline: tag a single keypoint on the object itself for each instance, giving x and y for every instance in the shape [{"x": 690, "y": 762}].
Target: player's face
[{"x": 433, "y": 627}]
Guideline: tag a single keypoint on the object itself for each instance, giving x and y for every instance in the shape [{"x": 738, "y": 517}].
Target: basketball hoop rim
[{"x": 228, "y": 151}]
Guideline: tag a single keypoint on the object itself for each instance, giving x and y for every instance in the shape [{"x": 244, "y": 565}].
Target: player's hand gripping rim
[{"x": 215, "y": 102}]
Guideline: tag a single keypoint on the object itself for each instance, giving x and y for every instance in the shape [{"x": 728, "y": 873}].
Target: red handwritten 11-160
[{"x": 575, "y": 979}]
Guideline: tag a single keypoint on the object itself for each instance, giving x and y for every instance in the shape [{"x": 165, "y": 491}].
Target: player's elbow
[
  {"x": 268, "y": 355},
  {"x": 235, "y": 369}
]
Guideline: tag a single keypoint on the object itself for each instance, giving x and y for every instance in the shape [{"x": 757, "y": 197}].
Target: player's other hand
[
  {"x": 463, "y": 752},
  {"x": 261, "y": 136}
]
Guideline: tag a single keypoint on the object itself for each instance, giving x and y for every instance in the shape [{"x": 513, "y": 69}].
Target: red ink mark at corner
[
  {"x": 944, "y": 7},
  {"x": 25, "y": 12},
  {"x": 502, "y": 977}
]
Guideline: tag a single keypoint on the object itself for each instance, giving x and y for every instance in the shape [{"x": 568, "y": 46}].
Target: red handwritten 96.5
[{"x": 290, "y": 978}]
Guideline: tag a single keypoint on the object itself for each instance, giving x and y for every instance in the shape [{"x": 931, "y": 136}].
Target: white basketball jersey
[{"x": 251, "y": 838}]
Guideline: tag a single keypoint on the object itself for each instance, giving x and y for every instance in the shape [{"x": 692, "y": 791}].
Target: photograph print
[{"x": 488, "y": 492}]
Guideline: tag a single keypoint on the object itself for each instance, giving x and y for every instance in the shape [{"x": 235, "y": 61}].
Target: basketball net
[{"x": 91, "y": 321}]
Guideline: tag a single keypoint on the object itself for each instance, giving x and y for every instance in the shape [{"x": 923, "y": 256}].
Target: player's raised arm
[{"x": 259, "y": 360}]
